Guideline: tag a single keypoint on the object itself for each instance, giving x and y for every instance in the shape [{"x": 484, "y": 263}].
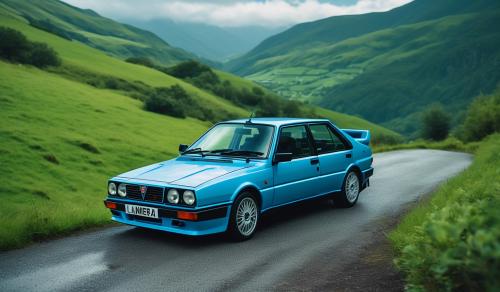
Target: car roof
[{"x": 277, "y": 121}]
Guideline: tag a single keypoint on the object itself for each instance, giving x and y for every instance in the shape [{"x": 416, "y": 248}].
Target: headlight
[
  {"x": 188, "y": 197},
  {"x": 122, "y": 190},
  {"x": 112, "y": 189},
  {"x": 173, "y": 196}
]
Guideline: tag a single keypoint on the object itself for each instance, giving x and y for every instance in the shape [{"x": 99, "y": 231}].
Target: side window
[
  {"x": 326, "y": 140},
  {"x": 294, "y": 140}
]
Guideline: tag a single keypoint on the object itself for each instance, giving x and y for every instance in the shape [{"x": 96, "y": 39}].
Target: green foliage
[
  {"x": 452, "y": 242},
  {"x": 42, "y": 56},
  {"x": 114, "y": 38},
  {"x": 144, "y": 61},
  {"x": 435, "y": 123},
  {"x": 170, "y": 101},
  {"x": 483, "y": 117},
  {"x": 15, "y": 47}
]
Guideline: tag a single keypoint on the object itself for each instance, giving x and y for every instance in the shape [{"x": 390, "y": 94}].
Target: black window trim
[
  {"x": 336, "y": 132},
  {"x": 309, "y": 138}
]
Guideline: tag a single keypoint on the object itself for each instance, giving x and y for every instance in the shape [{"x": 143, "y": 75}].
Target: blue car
[{"x": 240, "y": 169}]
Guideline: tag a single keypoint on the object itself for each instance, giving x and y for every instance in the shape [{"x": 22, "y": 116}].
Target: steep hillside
[
  {"x": 389, "y": 76},
  {"x": 334, "y": 29},
  {"x": 88, "y": 27}
]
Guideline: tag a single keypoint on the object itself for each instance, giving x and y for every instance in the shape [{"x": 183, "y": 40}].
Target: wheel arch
[{"x": 250, "y": 188}]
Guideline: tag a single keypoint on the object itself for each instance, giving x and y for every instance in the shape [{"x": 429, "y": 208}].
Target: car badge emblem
[{"x": 143, "y": 191}]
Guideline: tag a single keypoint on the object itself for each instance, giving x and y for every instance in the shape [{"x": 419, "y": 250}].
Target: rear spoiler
[{"x": 362, "y": 136}]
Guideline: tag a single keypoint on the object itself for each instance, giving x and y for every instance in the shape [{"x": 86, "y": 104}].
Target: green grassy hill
[
  {"x": 338, "y": 28},
  {"x": 61, "y": 138},
  {"x": 388, "y": 76},
  {"x": 88, "y": 27}
]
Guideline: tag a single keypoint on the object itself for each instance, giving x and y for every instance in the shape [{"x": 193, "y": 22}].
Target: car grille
[{"x": 153, "y": 194}]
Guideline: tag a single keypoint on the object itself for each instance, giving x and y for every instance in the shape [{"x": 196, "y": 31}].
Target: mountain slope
[
  {"x": 338, "y": 28},
  {"x": 207, "y": 41},
  {"x": 389, "y": 76},
  {"x": 88, "y": 27}
]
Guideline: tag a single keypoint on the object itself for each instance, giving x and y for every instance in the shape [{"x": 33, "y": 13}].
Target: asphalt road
[{"x": 129, "y": 259}]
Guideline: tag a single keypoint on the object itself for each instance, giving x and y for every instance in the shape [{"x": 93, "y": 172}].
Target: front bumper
[{"x": 209, "y": 221}]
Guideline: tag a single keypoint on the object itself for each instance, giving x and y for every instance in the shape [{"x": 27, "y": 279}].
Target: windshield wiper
[
  {"x": 241, "y": 152},
  {"x": 195, "y": 151}
]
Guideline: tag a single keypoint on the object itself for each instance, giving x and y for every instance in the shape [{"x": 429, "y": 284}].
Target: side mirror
[
  {"x": 282, "y": 157},
  {"x": 183, "y": 147}
]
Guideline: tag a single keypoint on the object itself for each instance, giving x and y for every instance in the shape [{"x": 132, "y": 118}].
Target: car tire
[
  {"x": 244, "y": 217},
  {"x": 350, "y": 191}
]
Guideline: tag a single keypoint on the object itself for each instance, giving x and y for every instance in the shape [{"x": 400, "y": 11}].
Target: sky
[{"x": 236, "y": 13}]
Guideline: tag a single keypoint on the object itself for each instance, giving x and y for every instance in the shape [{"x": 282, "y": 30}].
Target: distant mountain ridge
[
  {"x": 86, "y": 26},
  {"x": 207, "y": 41},
  {"x": 386, "y": 70}
]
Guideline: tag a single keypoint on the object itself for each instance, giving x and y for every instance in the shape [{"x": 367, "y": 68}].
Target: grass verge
[{"x": 452, "y": 241}]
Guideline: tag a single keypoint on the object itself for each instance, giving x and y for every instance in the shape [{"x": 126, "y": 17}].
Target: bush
[
  {"x": 15, "y": 47},
  {"x": 453, "y": 241},
  {"x": 42, "y": 56},
  {"x": 141, "y": 61},
  {"x": 168, "y": 101},
  {"x": 483, "y": 118},
  {"x": 435, "y": 123}
]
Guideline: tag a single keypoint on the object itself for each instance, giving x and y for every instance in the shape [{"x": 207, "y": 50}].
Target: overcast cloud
[{"x": 227, "y": 13}]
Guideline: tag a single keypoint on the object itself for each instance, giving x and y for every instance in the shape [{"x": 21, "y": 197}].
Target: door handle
[
  {"x": 348, "y": 155},
  {"x": 314, "y": 161}
]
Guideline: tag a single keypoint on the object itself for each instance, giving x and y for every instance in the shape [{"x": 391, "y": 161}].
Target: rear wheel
[
  {"x": 244, "y": 217},
  {"x": 350, "y": 191}
]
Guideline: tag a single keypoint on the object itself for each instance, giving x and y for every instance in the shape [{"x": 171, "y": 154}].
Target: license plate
[{"x": 141, "y": 211}]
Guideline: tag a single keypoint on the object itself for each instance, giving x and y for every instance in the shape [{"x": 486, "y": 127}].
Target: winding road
[{"x": 288, "y": 243}]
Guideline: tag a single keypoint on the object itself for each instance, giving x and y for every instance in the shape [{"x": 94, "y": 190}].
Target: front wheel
[
  {"x": 244, "y": 217},
  {"x": 350, "y": 191}
]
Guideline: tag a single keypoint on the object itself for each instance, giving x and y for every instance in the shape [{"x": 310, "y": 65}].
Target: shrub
[
  {"x": 167, "y": 101},
  {"x": 188, "y": 69},
  {"x": 42, "y": 56},
  {"x": 435, "y": 123},
  {"x": 15, "y": 47},
  {"x": 144, "y": 61},
  {"x": 483, "y": 118}
]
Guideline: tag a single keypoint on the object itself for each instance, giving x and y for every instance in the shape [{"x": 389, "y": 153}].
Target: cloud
[{"x": 225, "y": 13}]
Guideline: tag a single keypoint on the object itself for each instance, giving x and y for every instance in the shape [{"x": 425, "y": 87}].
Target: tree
[
  {"x": 14, "y": 45},
  {"x": 42, "y": 56},
  {"x": 435, "y": 123},
  {"x": 483, "y": 117}
]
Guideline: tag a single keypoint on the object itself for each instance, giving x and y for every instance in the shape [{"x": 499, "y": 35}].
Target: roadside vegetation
[{"x": 451, "y": 242}]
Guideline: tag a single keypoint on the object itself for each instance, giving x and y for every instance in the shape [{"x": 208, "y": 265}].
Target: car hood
[{"x": 184, "y": 171}]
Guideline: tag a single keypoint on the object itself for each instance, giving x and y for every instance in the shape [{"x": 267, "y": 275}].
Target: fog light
[
  {"x": 187, "y": 215},
  {"x": 110, "y": 205}
]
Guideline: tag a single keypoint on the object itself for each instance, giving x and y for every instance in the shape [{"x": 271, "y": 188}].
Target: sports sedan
[{"x": 240, "y": 169}]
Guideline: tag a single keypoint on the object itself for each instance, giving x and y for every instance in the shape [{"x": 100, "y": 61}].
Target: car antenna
[{"x": 250, "y": 118}]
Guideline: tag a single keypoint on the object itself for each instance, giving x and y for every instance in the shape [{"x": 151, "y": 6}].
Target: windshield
[{"x": 247, "y": 140}]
